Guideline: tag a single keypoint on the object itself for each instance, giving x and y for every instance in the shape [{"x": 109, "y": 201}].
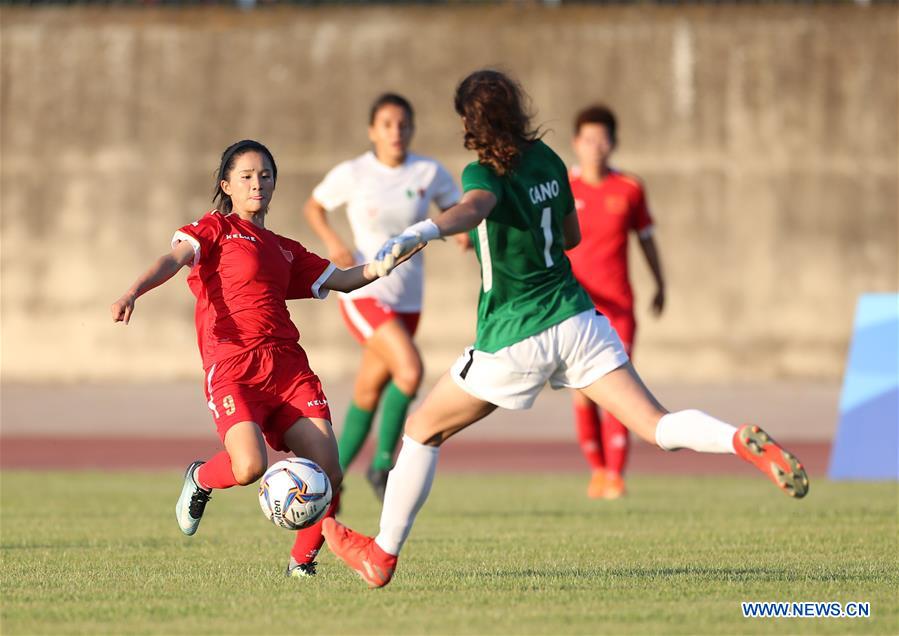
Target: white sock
[
  {"x": 695, "y": 430},
  {"x": 407, "y": 489}
]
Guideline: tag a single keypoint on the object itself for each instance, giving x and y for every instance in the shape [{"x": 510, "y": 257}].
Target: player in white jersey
[{"x": 384, "y": 190}]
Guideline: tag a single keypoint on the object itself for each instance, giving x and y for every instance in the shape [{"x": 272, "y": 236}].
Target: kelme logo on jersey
[
  {"x": 238, "y": 235},
  {"x": 544, "y": 191}
]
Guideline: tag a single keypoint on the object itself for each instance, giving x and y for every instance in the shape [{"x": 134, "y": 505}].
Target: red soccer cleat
[
  {"x": 756, "y": 447},
  {"x": 597, "y": 484},
  {"x": 614, "y": 487},
  {"x": 359, "y": 552}
]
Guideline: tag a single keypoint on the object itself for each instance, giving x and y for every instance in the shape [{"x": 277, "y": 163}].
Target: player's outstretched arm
[
  {"x": 163, "y": 269},
  {"x": 346, "y": 280},
  {"x": 474, "y": 207}
]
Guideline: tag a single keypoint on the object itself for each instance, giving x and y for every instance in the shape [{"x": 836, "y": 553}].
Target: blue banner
[{"x": 866, "y": 446}]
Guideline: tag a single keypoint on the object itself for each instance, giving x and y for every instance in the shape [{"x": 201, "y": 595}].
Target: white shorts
[{"x": 574, "y": 353}]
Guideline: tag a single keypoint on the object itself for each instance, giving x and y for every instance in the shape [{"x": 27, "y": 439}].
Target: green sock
[
  {"x": 355, "y": 429},
  {"x": 393, "y": 417}
]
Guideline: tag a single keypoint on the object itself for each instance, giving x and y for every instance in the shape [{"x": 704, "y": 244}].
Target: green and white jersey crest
[{"x": 526, "y": 280}]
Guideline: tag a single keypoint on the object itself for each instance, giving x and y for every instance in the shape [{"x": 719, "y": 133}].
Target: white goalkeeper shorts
[{"x": 574, "y": 354}]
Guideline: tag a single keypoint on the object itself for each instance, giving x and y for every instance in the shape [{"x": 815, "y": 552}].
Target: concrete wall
[{"x": 767, "y": 137}]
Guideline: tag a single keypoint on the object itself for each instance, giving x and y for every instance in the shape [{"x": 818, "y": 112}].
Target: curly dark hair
[{"x": 497, "y": 118}]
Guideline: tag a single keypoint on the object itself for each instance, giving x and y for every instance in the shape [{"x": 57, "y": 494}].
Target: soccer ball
[{"x": 294, "y": 493}]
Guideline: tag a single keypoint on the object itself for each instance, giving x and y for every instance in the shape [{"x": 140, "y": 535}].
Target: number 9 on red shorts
[{"x": 271, "y": 385}]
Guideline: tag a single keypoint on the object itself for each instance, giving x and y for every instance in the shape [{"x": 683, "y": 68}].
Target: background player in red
[
  {"x": 259, "y": 385},
  {"x": 610, "y": 205}
]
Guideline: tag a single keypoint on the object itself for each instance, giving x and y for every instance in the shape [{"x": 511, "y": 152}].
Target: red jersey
[
  {"x": 242, "y": 276},
  {"x": 607, "y": 213}
]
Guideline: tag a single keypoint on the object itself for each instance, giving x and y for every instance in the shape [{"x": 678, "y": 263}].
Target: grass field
[{"x": 93, "y": 553}]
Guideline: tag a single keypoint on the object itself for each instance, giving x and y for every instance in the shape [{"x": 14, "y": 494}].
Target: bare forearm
[
  {"x": 317, "y": 218},
  {"x": 347, "y": 280},
  {"x": 460, "y": 218},
  {"x": 653, "y": 259},
  {"x": 466, "y": 215},
  {"x": 162, "y": 270}
]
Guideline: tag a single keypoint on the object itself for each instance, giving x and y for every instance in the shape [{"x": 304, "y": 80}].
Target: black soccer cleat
[
  {"x": 378, "y": 480},
  {"x": 301, "y": 570}
]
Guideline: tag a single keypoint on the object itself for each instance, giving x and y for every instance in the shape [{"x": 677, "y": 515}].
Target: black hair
[
  {"x": 223, "y": 201},
  {"x": 598, "y": 114},
  {"x": 391, "y": 99}
]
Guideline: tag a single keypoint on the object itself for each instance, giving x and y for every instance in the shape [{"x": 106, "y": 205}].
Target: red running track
[{"x": 134, "y": 453}]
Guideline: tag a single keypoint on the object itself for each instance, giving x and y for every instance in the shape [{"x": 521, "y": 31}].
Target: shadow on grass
[
  {"x": 92, "y": 544},
  {"x": 757, "y": 574}
]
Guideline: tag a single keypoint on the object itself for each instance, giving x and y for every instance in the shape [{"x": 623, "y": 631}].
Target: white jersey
[{"x": 382, "y": 202}]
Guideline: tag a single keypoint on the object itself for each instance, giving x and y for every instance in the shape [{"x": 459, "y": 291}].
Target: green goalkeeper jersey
[{"x": 526, "y": 280}]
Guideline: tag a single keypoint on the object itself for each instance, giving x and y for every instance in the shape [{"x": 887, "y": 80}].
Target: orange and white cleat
[
  {"x": 783, "y": 468},
  {"x": 597, "y": 484},
  {"x": 614, "y": 488},
  {"x": 359, "y": 552}
]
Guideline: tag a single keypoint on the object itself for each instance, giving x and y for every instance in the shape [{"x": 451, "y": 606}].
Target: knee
[
  {"x": 408, "y": 376},
  {"x": 248, "y": 470},
  {"x": 366, "y": 397},
  {"x": 422, "y": 430}
]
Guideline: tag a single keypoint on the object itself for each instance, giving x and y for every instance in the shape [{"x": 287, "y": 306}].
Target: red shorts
[
  {"x": 363, "y": 315},
  {"x": 271, "y": 385},
  {"x": 625, "y": 324}
]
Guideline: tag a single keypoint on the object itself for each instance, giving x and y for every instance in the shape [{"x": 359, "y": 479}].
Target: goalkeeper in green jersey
[{"x": 535, "y": 325}]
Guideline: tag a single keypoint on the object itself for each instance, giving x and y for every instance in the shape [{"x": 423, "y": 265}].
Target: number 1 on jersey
[{"x": 546, "y": 224}]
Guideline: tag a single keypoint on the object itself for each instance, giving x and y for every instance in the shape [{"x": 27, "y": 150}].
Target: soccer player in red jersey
[
  {"x": 610, "y": 205},
  {"x": 259, "y": 385}
]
